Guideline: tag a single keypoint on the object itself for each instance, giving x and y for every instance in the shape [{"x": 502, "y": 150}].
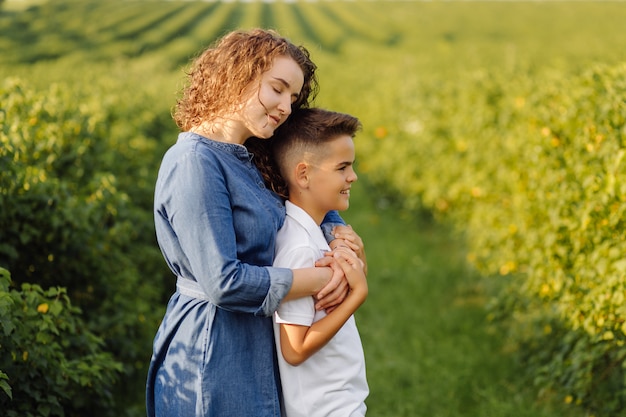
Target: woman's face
[{"x": 269, "y": 105}]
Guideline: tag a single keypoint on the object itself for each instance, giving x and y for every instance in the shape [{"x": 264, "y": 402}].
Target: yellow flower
[
  {"x": 380, "y": 132},
  {"x": 43, "y": 308},
  {"x": 508, "y": 267},
  {"x": 608, "y": 335}
]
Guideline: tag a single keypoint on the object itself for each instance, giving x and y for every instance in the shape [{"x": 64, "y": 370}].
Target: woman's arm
[
  {"x": 310, "y": 281},
  {"x": 197, "y": 231},
  {"x": 298, "y": 343}
]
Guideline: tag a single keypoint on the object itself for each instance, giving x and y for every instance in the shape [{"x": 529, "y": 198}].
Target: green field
[
  {"x": 428, "y": 346},
  {"x": 85, "y": 116}
]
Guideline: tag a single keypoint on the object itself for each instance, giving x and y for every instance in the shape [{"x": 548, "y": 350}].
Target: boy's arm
[
  {"x": 345, "y": 235},
  {"x": 337, "y": 232},
  {"x": 298, "y": 343}
]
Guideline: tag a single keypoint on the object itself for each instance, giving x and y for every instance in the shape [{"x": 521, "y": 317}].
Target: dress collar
[{"x": 240, "y": 151}]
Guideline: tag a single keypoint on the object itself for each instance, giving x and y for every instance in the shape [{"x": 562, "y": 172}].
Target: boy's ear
[{"x": 302, "y": 174}]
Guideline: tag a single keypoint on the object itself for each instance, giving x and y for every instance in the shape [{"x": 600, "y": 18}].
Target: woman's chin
[{"x": 265, "y": 134}]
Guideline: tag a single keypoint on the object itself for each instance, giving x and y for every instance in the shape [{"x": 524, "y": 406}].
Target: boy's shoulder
[
  {"x": 299, "y": 238},
  {"x": 298, "y": 221}
]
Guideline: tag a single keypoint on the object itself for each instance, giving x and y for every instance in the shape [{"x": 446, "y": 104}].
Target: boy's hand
[
  {"x": 352, "y": 267},
  {"x": 346, "y": 236}
]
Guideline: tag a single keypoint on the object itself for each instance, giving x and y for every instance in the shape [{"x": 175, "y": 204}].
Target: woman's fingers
[
  {"x": 348, "y": 234},
  {"x": 332, "y": 295},
  {"x": 335, "y": 280}
]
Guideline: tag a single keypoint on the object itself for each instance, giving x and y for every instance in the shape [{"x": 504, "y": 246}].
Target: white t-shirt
[{"x": 332, "y": 382}]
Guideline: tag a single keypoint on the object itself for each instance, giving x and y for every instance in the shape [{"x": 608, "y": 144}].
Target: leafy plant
[
  {"x": 52, "y": 365},
  {"x": 533, "y": 180},
  {"x": 66, "y": 221}
]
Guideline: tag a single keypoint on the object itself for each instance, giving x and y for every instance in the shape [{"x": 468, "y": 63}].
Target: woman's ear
[{"x": 302, "y": 174}]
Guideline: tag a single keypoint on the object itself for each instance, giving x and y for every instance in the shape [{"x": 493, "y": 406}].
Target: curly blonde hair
[{"x": 219, "y": 76}]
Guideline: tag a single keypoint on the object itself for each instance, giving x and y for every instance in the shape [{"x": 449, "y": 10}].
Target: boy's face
[{"x": 332, "y": 175}]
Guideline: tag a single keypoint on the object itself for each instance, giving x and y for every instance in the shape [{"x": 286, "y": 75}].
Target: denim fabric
[{"x": 216, "y": 225}]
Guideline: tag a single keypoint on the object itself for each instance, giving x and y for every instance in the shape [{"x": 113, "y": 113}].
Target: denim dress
[{"x": 216, "y": 224}]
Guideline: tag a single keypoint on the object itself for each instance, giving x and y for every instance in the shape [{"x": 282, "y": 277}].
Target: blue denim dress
[{"x": 216, "y": 225}]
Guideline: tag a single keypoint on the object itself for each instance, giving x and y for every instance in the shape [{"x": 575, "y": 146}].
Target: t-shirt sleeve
[{"x": 300, "y": 311}]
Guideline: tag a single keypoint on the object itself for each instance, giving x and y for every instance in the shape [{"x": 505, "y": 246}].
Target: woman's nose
[{"x": 284, "y": 106}]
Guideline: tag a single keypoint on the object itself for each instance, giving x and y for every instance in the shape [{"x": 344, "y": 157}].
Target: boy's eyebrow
[{"x": 345, "y": 163}]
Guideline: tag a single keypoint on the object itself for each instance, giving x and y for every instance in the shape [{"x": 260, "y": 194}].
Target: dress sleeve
[
  {"x": 331, "y": 220},
  {"x": 200, "y": 243}
]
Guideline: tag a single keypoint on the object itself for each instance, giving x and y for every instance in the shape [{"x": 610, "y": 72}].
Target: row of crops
[
  {"x": 176, "y": 28},
  {"x": 504, "y": 119}
]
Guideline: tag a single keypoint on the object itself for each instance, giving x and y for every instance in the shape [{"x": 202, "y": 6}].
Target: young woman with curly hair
[{"x": 216, "y": 224}]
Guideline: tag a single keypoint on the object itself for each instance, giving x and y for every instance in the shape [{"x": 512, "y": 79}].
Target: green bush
[
  {"x": 530, "y": 168},
  {"x": 52, "y": 365},
  {"x": 77, "y": 170}
]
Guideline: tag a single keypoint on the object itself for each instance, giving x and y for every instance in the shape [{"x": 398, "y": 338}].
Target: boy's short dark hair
[
  {"x": 314, "y": 125},
  {"x": 305, "y": 130},
  {"x": 309, "y": 128}
]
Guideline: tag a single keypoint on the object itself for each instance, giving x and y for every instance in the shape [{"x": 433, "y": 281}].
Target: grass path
[{"x": 428, "y": 347}]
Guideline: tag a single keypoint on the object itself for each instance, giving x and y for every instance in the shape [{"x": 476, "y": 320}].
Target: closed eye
[{"x": 285, "y": 84}]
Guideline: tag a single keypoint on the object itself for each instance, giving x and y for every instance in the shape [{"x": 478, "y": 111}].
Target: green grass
[{"x": 429, "y": 348}]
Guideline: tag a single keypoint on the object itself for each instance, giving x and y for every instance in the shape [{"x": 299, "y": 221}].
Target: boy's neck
[{"x": 309, "y": 209}]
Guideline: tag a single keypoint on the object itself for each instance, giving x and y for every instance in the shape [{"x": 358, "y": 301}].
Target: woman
[{"x": 216, "y": 224}]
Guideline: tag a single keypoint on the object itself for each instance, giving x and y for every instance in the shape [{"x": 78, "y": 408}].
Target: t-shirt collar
[{"x": 307, "y": 222}]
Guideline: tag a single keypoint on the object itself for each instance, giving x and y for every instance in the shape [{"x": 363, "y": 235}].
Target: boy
[{"x": 321, "y": 361}]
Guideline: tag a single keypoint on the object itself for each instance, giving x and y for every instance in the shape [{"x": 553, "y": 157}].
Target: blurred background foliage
[{"x": 504, "y": 120}]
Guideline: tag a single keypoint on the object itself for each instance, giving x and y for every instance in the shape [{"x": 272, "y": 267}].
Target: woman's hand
[
  {"x": 345, "y": 235},
  {"x": 337, "y": 288}
]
